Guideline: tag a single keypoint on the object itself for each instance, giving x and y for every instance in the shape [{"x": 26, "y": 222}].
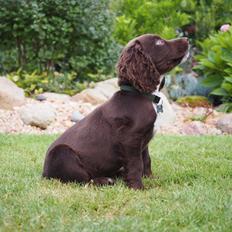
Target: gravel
[{"x": 10, "y": 121}]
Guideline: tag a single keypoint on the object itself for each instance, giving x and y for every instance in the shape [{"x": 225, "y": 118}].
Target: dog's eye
[{"x": 159, "y": 42}]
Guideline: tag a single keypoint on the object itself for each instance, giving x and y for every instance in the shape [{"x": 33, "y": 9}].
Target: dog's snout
[
  {"x": 183, "y": 45},
  {"x": 186, "y": 40}
]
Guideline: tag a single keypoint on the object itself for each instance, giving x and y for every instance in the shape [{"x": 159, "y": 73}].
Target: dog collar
[{"x": 152, "y": 97}]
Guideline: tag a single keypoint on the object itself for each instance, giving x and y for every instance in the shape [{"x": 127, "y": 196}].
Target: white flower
[{"x": 225, "y": 27}]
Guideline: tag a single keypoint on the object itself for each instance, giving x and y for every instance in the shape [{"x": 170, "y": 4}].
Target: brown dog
[{"x": 113, "y": 139}]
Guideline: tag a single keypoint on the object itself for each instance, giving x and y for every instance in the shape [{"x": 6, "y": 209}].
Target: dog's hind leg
[{"x": 63, "y": 163}]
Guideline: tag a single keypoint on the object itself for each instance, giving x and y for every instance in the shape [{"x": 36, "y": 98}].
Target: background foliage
[
  {"x": 39, "y": 82},
  {"x": 209, "y": 15},
  {"x": 165, "y": 17},
  {"x": 136, "y": 17},
  {"x": 58, "y": 35},
  {"x": 61, "y": 46},
  {"x": 215, "y": 63}
]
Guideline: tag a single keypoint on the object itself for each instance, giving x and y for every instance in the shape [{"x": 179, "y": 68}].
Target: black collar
[{"x": 152, "y": 97}]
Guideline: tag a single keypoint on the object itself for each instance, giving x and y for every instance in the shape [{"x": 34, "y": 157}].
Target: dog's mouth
[
  {"x": 179, "y": 60},
  {"x": 175, "y": 61}
]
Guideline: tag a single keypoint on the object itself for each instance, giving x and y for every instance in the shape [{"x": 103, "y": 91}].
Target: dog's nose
[{"x": 183, "y": 44}]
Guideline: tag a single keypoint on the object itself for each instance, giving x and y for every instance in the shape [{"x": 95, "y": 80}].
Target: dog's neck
[
  {"x": 129, "y": 88},
  {"x": 151, "y": 96}
]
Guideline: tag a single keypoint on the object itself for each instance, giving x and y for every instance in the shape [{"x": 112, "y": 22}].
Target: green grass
[{"x": 193, "y": 192}]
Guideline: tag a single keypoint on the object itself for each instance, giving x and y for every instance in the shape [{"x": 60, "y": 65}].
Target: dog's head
[{"x": 146, "y": 58}]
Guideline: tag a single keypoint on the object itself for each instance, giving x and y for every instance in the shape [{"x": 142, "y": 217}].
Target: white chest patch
[{"x": 168, "y": 115}]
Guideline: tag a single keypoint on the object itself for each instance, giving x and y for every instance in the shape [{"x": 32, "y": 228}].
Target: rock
[
  {"x": 101, "y": 92},
  {"x": 184, "y": 84},
  {"x": 224, "y": 123},
  {"x": 76, "y": 116},
  {"x": 168, "y": 116},
  {"x": 52, "y": 97},
  {"x": 106, "y": 88},
  {"x": 92, "y": 96},
  {"x": 175, "y": 92},
  {"x": 68, "y": 124},
  {"x": 86, "y": 108},
  {"x": 194, "y": 128},
  {"x": 165, "y": 92},
  {"x": 40, "y": 115},
  {"x": 10, "y": 94},
  {"x": 201, "y": 111},
  {"x": 112, "y": 81},
  {"x": 214, "y": 131},
  {"x": 40, "y": 97},
  {"x": 199, "y": 128},
  {"x": 200, "y": 89}
]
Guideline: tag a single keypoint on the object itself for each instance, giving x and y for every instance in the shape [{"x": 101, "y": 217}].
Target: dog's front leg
[
  {"x": 134, "y": 170},
  {"x": 146, "y": 163}
]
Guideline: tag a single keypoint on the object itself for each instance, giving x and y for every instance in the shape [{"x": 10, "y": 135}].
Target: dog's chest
[{"x": 165, "y": 113}]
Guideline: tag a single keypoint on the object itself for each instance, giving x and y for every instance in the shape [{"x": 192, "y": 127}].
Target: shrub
[
  {"x": 215, "y": 63},
  {"x": 136, "y": 17},
  {"x": 209, "y": 15},
  {"x": 194, "y": 101},
  {"x": 48, "y": 35},
  {"x": 35, "y": 82},
  {"x": 164, "y": 17}
]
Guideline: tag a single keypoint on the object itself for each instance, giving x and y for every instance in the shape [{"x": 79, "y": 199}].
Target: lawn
[{"x": 193, "y": 192}]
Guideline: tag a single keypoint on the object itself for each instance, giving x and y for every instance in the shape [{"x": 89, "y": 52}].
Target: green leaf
[
  {"x": 226, "y": 107},
  {"x": 212, "y": 81},
  {"x": 227, "y": 86},
  {"x": 220, "y": 92},
  {"x": 229, "y": 79},
  {"x": 226, "y": 55}
]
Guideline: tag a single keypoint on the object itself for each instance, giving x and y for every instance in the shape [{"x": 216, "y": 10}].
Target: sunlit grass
[{"x": 193, "y": 191}]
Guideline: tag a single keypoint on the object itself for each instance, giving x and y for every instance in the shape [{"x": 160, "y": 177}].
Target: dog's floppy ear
[{"x": 135, "y": 67}]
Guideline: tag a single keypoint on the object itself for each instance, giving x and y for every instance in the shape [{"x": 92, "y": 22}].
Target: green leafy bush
[
  {"x": 48, "y": 35},
  {"x": 194, "y": 101},
  {"x": 215, "y": 63},
  {"x": 35, "y": 82},
  {"x": 209, "y": 15},
  {"x": 163, "y": 17},
  {"x": 136, "y": 17}
]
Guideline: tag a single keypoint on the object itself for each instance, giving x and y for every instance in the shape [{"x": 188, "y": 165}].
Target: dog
[{"x": 112, "y": 141}]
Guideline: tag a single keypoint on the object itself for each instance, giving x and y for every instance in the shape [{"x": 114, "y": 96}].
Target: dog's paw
[
  {"x": 147, "y": 174},
  {"x": 136, "y": 185},
  {"x": 150, "y": 176},
  {"x": 102, "y": 181}
]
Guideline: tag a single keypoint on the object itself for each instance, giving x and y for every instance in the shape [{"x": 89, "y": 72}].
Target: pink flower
[{"x": 225, "y": 27}]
